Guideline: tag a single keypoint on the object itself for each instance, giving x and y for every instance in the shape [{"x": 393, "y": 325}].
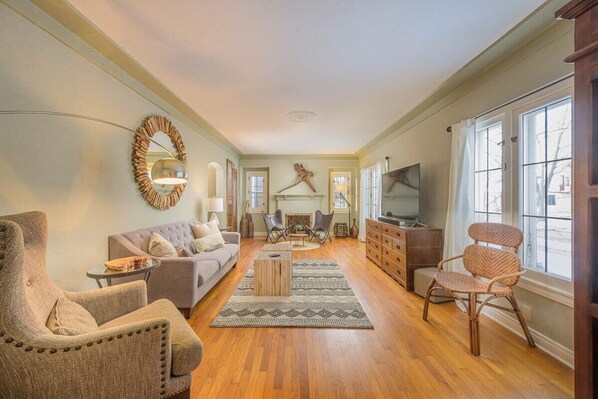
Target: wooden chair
[
  {"x": 321, "y": 224},
  {"x": 501, "y": 267},
  {"x": 274, "y": 226}
]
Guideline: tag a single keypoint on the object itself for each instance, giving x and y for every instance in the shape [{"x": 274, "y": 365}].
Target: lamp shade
[
  {"x": 169, "y": 171},
  {"x": 214, "y": 204}
]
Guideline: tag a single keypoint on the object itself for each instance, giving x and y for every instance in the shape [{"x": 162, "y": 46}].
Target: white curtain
[
  {"x": 460, "y": 212},
  {"x": 371, "y": 179},
  {"x": 363, "y": 183}
]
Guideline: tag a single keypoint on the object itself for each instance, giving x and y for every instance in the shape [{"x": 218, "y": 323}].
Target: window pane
[
  {"x": 559, "y": 247},
  {"x": 533, "y": 190},
  {"x": 495, "y": 218},
  {"x": 534, "y": 246},
  {"x": 481, "y": 146},
  {"x": 559, "y": 189},
  {"x": 480, "y": 217},
  {"x": 495, "y": 147},
  {"x": 534, "y": 137},
  {"x": 481, "y": 191},
  {"x": 559, "y": 130},
  {"x": 495, "y": 191}
]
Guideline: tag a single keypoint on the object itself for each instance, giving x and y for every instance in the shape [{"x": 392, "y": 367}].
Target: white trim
[
  {"x": 547, "y": 345},
  {"x": 547, "y": 291}
]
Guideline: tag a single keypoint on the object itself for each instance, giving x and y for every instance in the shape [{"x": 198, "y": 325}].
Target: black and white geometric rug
[{"x": 320, "y": 297}]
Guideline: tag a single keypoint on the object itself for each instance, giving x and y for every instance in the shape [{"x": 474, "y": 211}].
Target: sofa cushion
[
  {"x": 187, "y": 348},
  {"x": 209, "y": 243},
  {"x": 205, "y": 229},
  {"x": 161, "y": 247},
  {"x": 205, "y": 270},
  {"x": 178, "y": 234},
  {"x": 70, "y": 318},
  {"x": 183, "y": 252},
  {"x": 220, "y": 255}
]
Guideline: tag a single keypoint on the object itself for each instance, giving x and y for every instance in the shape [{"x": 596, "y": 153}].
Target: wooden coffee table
[{"x": 272, "y": 273}]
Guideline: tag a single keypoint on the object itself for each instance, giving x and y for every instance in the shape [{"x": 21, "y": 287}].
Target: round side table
[{"x": 100, "y": 271}]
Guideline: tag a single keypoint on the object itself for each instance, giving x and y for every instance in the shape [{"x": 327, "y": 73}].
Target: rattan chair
[
  {"x": 500, "y": 266},
  {"x": 321, "y": 225},
  {"x": 274, "y": 226}
]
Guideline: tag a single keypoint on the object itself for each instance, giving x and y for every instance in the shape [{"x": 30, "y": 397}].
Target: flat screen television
[{"x": 400, "y": 195}]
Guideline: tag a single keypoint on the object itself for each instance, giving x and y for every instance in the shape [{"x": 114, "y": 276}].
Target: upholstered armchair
[{"x": 137, "y": 351}]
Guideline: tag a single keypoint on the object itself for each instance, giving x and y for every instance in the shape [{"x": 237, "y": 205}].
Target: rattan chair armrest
[
  {"x": 442, "y": 262},
  {"x": 498, "y": 278}
]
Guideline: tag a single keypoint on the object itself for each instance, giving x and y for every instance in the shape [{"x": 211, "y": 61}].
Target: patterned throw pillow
[
  {"x": 209, "y": 243},
  {"x": 70, "y": 318},
  {"x": 159, "y": 246}
]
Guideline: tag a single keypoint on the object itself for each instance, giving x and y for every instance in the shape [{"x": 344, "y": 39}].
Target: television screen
[{"x": 400, "y": 194}]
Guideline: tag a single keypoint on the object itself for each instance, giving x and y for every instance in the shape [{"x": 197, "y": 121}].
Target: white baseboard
[
  {"x": 547, "y": 345},
  {"x": 260, "y": 234}
]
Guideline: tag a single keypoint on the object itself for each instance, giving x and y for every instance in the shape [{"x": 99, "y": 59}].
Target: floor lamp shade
[{"x": 169, "y": 171}]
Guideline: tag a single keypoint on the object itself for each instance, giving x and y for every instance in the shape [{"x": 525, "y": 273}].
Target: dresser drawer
[
  {"x": 374, "y": 256},
  {"x": 399, "y": 246},
  {"x": 387, "y": 241},
  {"x": 372, "y": 225},
  {"x": 394, "y": 257},
  {"x": 375, "y": 245},
  {"x": 393, "y": 232},
  {"x": 374, "y": 235},
  {"x": 395, "y": 271}
]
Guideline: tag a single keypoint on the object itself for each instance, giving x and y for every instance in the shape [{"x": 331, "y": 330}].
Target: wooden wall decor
[
  {"x": 585, "y": 193},
  {"x": 231, "y": 195},
  {"x": 303, "y": 175},
  {"x": 141, "y": 143}
]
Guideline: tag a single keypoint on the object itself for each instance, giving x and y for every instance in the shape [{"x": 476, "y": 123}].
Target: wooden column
[{"x": 585, "y": 194}]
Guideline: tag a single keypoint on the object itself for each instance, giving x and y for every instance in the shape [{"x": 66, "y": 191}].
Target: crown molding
[
  {"x": 340, "y": 157},
  {"x": 66, "y": 24},
  {"x": 509, "y": 49}
]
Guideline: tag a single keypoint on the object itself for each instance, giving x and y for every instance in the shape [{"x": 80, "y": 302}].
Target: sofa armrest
[
  {"x": 120, "y": 247},
  {"x": 133, "y": 360},
  {"x": 231, "y": 237},
  {"x": 111, "y": 302},
  {"x": 175, "y": 279}
]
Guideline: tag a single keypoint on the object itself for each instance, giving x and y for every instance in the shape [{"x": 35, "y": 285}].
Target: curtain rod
[{"x": 450, "y": 129}]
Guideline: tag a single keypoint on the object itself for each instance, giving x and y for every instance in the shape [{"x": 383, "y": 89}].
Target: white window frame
[
  {"x": 265, "y": 196},
  {"x": 340, "y": 173},
  {"x": 548, "y": 285}
]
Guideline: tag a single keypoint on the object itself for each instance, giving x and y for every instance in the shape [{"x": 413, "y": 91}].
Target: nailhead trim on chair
[{"x": 18, "y": 344}]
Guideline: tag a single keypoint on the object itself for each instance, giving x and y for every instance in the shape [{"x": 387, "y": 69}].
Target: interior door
[{"x": 231, "y": 195}]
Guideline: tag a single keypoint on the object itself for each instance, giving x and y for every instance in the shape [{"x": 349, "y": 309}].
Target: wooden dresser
[{"x": 400, "y": 250}]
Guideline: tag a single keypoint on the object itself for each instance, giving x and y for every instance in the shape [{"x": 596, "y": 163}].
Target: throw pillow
[
  {"x": 205, "y": 229},
  {"x": 183, "y": 252},
  {"x": 209, "y": 243},
  {"x": 70, "y": 318},
  {"x": 159, "y": 246}
]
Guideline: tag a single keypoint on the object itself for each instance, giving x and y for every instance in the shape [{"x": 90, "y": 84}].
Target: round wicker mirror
[{"x": 146, "y": 152}]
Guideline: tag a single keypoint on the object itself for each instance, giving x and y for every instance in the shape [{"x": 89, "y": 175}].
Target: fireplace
[{"x": 292, "y": 219}]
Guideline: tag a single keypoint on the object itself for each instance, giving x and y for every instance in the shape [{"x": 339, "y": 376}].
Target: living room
[{"x": 350, "y": 146}]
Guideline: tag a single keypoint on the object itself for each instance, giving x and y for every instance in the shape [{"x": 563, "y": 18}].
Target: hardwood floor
[{"x": 403, "y": 357}]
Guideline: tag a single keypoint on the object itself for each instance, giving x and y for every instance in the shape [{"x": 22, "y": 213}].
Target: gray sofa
[{"x": 182, "y": 280}]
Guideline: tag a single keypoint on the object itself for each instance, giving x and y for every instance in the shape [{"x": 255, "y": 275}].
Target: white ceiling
[{"x": 359, "y": 65}]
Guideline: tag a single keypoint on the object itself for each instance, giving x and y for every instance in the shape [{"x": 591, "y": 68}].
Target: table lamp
[{"x": 214, "y": 205}]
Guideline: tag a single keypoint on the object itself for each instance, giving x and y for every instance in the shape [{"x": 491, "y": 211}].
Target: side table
[{"x": 100, "y": 271}]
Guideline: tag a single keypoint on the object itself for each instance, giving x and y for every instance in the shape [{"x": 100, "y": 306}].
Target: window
[
  {"x": 257, "y": 191},
  {"x": 488, "y": 172},
  {"x": 340, "y": 191},
  {"x": 546, "y": 188},
  {"x": 523, "y": 177},
  {"x": 372, "y": 193}
]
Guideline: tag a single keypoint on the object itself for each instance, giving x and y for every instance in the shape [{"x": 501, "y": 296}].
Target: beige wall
[
  {"x": 79, "y": 172},
  {"x": 282, "y": 174},
  {"x": 426, "y": 141}
]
